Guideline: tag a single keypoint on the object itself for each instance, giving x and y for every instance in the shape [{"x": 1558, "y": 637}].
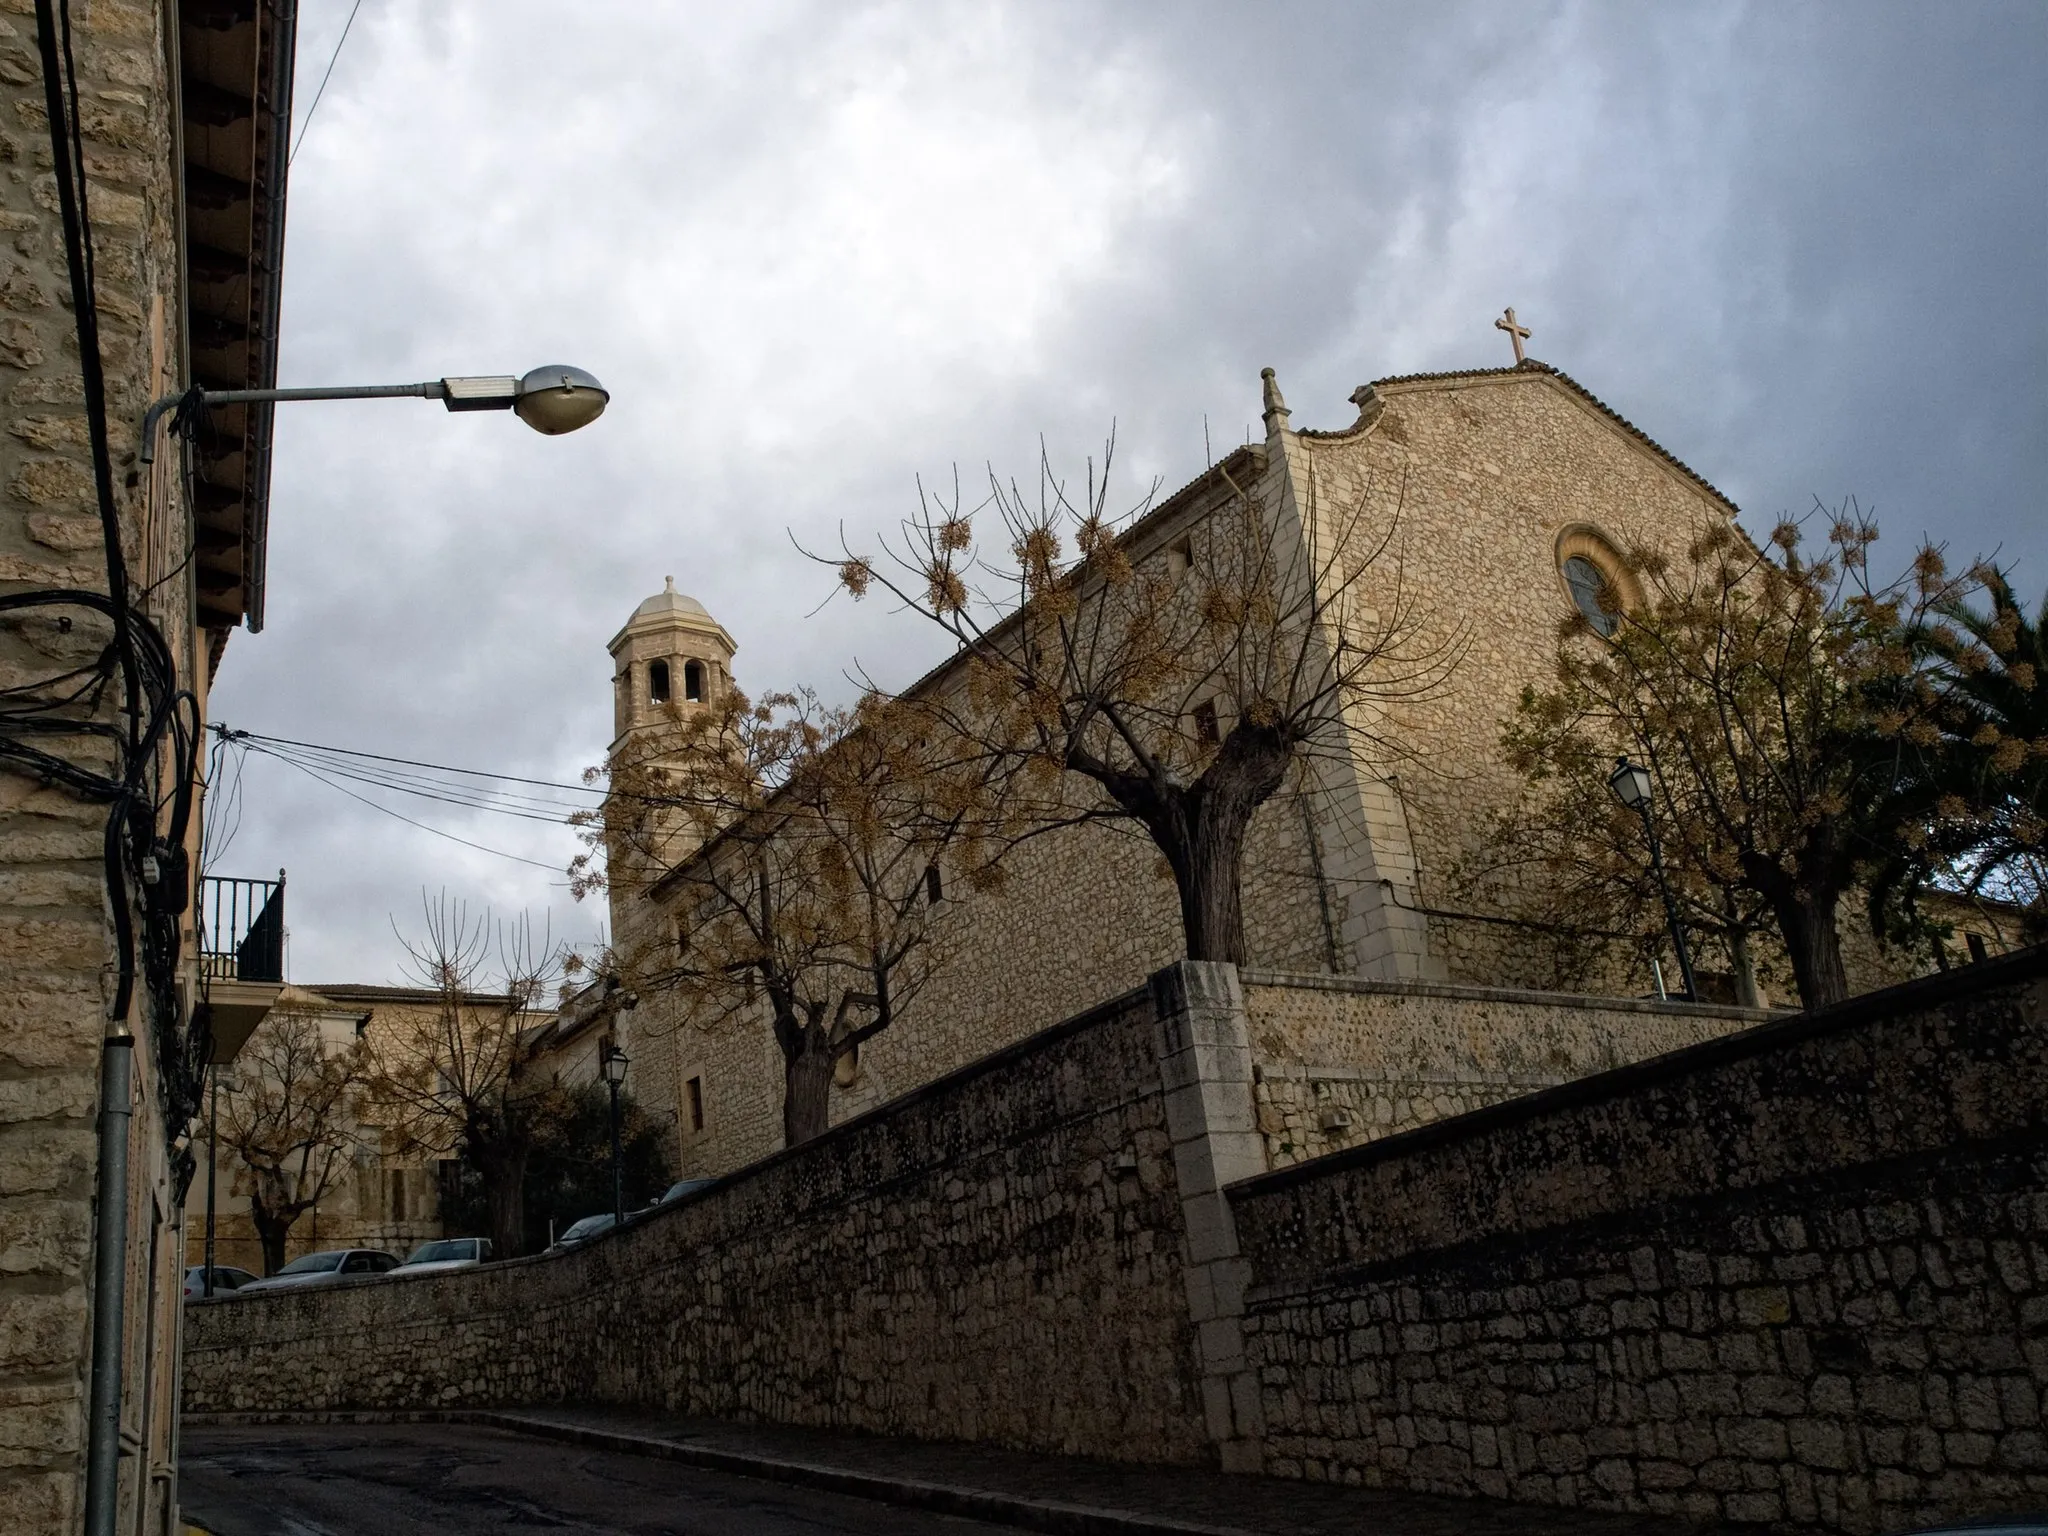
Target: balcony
[
  {"x": 241, "y": 955},
  {"x": 241, "y": 929}
]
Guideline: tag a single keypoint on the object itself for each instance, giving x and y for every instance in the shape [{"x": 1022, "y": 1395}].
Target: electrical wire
[
  {"x": 322, "y": 777},
  {"x": 331, "y": 58}
]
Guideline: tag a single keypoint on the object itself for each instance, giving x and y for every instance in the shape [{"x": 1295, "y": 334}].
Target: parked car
[
  {"x": 226, "y": 1280},
  {"x": 581, "y": 1232},
  {"x": 683, "y": 1187},
  {"x": 324, "y": 1269},
  {"x": 446, "y": 1253}
]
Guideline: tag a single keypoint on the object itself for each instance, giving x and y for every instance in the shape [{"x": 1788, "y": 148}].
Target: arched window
[
  {"x": 1598, "y": 581},
  {"x": 1591, "y": 592},
  {"x": 657, "y": 681},
  {"x": 693, "y": 681}
]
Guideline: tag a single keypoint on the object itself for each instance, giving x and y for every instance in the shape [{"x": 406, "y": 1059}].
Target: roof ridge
[{"x": 1531, "y": 367}]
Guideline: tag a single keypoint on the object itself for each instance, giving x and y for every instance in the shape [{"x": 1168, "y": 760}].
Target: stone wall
[
  {"x": 999, "y": 1256},
  {"x": 56, "y": 949},
  {"x": 1342, "y": 1061},
  {"x": 1798, "y": 1275}
]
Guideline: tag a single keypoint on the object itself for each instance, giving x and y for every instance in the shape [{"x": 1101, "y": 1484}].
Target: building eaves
[
  {"x": 357, "y": 992},
  {"x": 1530, "y": 367}
]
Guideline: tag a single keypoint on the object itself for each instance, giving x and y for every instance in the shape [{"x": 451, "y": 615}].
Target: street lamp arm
[{"x": 551, "y": 400}]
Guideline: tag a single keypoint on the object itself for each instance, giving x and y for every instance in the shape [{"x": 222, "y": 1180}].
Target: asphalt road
[{"x": 454, "y": 1479}]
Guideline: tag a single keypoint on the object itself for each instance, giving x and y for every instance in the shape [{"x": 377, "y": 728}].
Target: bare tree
[
  {"x": 290, "y": 1119},
  {"x": 460, "y": 1083},
  {"x": 1180, "y": 685},
  {"x": 805, "y": 851}
]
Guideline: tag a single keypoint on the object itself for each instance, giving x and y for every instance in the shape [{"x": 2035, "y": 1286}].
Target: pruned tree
[
  {"x": 290, "y": 1118},
  {"x": 804, "y": 850},
  {"x": 1566, "y": 861},
  {"x": 1178, "y": 684},
  {"x": 460, "y": 1082},
  {"x": 1776, "y": 700}
]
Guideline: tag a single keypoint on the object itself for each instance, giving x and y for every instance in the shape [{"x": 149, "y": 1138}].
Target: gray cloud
[{"x": 818, "y": 250}]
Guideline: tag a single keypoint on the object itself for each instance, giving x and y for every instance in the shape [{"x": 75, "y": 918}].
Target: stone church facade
[{"x": 1492, "y": 481}]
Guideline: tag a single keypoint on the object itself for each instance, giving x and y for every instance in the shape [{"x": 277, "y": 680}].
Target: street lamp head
[
  {"x": 612, "y": 1063},
  {"x": 1630, "y": 783},
  {"x": 558, "y": 399}
]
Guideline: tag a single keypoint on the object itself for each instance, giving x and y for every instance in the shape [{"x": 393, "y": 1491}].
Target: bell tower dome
[{"x": 671, "y": 652}]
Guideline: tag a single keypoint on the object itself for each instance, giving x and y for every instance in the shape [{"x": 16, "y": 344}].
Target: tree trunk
[
  {"x": 1747, "y": 993},
  {"x": 503, "y": 1171},
  {"x": 807, "y": 1086},
  {"x": 1213, "y": 816},
  {"x": 272, "y": 1228},
  {"x": 1807, "y": 922}
]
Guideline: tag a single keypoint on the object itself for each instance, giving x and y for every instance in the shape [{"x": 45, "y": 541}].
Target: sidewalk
[{"x": 1031, "y": 1492}]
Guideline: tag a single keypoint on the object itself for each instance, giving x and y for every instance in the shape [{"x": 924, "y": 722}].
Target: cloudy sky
[{"x": 816, "y": 250}]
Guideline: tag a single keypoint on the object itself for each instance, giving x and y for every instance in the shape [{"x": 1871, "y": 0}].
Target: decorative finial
[
  {"x": 1516, "y": 333},
  {"x": 668, "y": 583},
  {"x": 1276, "y": 407}
]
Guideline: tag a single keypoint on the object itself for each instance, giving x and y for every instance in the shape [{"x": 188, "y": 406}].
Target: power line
[
  {"x": 436, "y": 831},
  {"x": 308, "y": 123},
  {"x": 409, "y": 762}
]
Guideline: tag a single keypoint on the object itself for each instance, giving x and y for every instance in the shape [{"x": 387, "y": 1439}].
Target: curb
[{"x": 1049, "y": 1515}]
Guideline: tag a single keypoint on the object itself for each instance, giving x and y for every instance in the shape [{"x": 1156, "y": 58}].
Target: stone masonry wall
[
  {"x": 1342, "y": 1061},
  {"x": 999, "y": 1257},
  {"x": 55, "y": 946},
  {"x": 1797, "y": 1276}
]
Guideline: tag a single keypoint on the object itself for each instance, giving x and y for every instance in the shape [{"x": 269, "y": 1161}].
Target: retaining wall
[
  {"x": 969, "y": 1262},
  {"x": 1797, "y": 1275}
]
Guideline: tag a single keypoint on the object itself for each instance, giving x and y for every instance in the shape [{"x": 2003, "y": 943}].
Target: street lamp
[
  {"x": 611, "y": 1061},
  {"x": 1632, "y": 787},
  {"x": 551, "y": 400}
]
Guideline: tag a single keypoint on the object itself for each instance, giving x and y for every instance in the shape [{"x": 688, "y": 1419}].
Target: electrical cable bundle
[{"x": 154, "y": 733}]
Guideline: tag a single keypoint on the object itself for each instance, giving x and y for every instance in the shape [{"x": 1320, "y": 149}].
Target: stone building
[
  {"x": 388, "y": 1196},
  {"x": 182, "y": 107},
  {"x": 1510, "y": 494}
]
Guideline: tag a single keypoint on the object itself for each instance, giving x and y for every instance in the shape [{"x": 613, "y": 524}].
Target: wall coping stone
[
  {"x": 1777, "y": 1034},
  {"x": 1460, "y": 992}
]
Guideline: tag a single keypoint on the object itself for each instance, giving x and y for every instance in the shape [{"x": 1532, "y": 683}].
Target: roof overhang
[{"x": 235, "y": 68}]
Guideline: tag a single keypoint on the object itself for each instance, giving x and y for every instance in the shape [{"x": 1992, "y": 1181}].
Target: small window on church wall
[
  {"x": 682, "y": 937},
  {"x": 934, "y": 885},
  {"x": 693, "y": 1103},
  {"x": 693, "y": 681},
  {"x": 657, "y": 681},
  {"x": 1207, "y": 731},
  {"x": 1592, "y": 592},
  {"x": 1180, "y": 554}
]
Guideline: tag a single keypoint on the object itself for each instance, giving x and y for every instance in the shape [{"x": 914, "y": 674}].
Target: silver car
[
  {"x": 446, "y": 1253},
  {"x": 326, "y": 1268}
]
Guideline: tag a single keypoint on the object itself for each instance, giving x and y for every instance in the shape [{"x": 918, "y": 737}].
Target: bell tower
[
  {"x": 671, "y": 652},
  {"x": 671, "y": 658}
]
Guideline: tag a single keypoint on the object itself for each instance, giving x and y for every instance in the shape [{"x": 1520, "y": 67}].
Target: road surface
[{"x": 456, "y": 1479}]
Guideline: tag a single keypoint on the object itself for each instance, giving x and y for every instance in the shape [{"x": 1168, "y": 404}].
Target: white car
[
  {"x": 326, "y": 1268},
  {"x": 446, "y": 1253}
]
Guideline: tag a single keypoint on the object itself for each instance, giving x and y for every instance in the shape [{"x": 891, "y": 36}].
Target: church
[{"x": 1516, "y": 492}]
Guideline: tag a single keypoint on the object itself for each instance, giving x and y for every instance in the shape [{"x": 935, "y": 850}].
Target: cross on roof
[{"x": 1516, "y": 333}]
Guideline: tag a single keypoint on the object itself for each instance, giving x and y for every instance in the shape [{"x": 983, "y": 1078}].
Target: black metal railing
[{"x": 241, "y": 928}]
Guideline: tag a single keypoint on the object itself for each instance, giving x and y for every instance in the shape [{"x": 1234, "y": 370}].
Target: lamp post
[
  {"x": 611, "y": 1061},
  {"x": 1631, "y": 785},
  {"x": 212, "y": 1154},
  {"x": 551, "y": 400}
]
